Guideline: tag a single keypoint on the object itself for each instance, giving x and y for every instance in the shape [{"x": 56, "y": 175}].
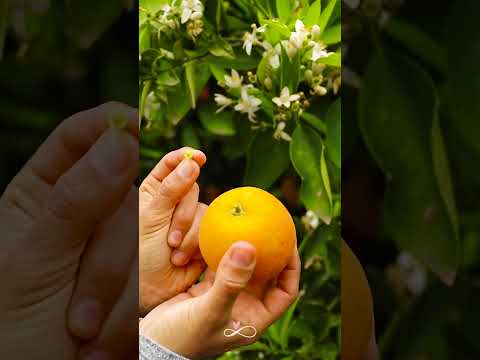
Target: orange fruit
[
  {"x": 253, "y": 215},
  {"x": 357, "y": 309}
]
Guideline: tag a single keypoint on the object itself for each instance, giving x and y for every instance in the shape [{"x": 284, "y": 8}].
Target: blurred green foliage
[
  {"x": 60, "y": 58},
  {"x": 410, "y": 161},
  {"x": 287, "y": 145}
]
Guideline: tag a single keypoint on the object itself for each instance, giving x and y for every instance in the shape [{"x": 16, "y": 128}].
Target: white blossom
[
  {"x": 316, "y": 30},
  {"x": 285, "y": 99},
  {"x": 222, "y": 101},
  {"x": 297, "y": 38},
  {"x": 248, "y": 104},
  {"x": 319, "y": 51},
  {"x": 290, "y": 48},
  {"x": 191, "y": 10},
  {"x": 280, "y": 132},
  {"x": 273, "y": 54},
  {"x": 250, "y": 39},
  {"x": 234, "y": 81},
  {"x": 310, "y": 220}
]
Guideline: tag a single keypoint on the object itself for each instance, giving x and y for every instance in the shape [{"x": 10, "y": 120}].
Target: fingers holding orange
[
  {"x": 189, "y": 245},
  {"x": 183, "y": 217},
  {"x": 253, "y": 215}
]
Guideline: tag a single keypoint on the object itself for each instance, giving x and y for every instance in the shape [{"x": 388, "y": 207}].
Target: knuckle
[
  {"x": 182, "y": 219},
  {"x": 232, "y": 285},
  {"x": 171, "y": 187},
  {"x": 64, "y": 199}
]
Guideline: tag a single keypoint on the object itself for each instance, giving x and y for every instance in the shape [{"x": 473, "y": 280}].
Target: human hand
[
  {"x": 194, "y": 324},
  {"x": 170, "y": 217},
  {"x": 78, "y": 178}
]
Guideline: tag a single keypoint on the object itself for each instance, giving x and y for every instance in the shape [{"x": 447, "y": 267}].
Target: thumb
[
  {"x": 233, "y": 274},
  {"x": 168, "y": 192}
]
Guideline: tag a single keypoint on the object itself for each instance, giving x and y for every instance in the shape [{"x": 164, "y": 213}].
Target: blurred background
[
  {"x": 58, "y": 58},
  {"x": 410, "y": 154}
]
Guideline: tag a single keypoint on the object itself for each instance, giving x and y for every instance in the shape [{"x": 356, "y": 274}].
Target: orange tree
[{"x": 255, "y": 84}]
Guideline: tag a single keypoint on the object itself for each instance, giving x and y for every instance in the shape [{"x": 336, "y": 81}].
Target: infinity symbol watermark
[{"x": 247, "y": 331}]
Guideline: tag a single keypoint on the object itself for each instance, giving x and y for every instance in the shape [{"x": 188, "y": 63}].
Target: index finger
[
  {"x": 75, "y": 136},
  {"x": 170, "y": 161}
]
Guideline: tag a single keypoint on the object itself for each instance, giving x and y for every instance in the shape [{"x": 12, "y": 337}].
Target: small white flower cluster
[
  {"x": 310, "y": 220},
  {"x": 299, "y": 39},
  {"x": 190, "y": 13},
  {"x": 247, "y": 104}
]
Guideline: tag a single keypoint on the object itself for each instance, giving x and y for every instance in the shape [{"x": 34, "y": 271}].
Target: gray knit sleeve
[{"x": 150, "y": 350}]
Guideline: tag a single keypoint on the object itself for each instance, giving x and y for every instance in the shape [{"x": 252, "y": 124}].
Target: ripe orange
[
  {"x": 253, "y": 215},
  {"x": 357, "y": 309}
]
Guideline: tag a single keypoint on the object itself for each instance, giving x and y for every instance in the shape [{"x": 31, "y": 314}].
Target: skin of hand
[
  {"x": 170, "y": 217},
  {"x": 74, "y": 185},
  {"x": 193, "y": 323}
]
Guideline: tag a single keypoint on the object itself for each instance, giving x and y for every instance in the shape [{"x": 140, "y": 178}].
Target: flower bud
[
  {"x": 316, "y": 30},
  {"x": 268, "y": 83},
  {"x": 308, "y": 75}
]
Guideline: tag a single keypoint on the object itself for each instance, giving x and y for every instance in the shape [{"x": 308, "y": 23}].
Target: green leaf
[
  {"x": 3, "y": 24},
  {"x": 442, "y": 170},
  {"x": 262, "y": 69},
  {"x": 463, "y": 77},
  {"x": 237, "y": 145},
  {"x": 314, "y": 121},
  {"x": 313, "y": 14},
  {"x": 396, "y": 120},
  {"x": 189, "y": 136},
  {"x": 419, "y": 43},
  {"x": 305, "y": 152},
  {"x": 333, "y": 60},
  {"x": 334, "y": 132},
  {"x": 240, "y": 62},
  {"x": 267, "y": 159},
  {"x": 190, "y": 75},
  {"x": 325, "y": 177},
  {"x": 333, "y": 35},
  {"x": 144, "y": 38},
  {"x": 276, "y": 31},
  {"x": 289, "y": 71},
  {"x": 218, "y": 72},
  {"x": 79, "y": 13},
  {"x": 284, "y": 9},
  {"x": 286, "y": 322},
  {"x": 222, "y": 48},
  {"x": 325, "y": 15},
  {"x": 217, "y": 124}
]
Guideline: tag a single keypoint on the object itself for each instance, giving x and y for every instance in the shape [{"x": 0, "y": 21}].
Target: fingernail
[
  {"x": 186, "y": 168},
  {"x": 242, "y": 257},
  {"x": 175, "y": 238},
  {"x": 97, "y": 355},
  {"x": 179, "y": 258},
  {"x": 86, "y": 318},
  {"x": 113, "y": 152}
]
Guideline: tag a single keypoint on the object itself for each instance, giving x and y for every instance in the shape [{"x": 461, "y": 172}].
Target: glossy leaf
[
  {"x": 419, "y": 43},
  {"x": 391, "y": 110},
  {"x": 284, "y": 9},
  {"x": 267, "y": 159},
  {"x": 333, "y": 35},
  {"x": 217, "y": 124},
  {"x": 313, "y": 14},
  {"x": 334, "y": 132},
  {"x": 326, "y": 15},
  {"x": 305, "y": 152}
]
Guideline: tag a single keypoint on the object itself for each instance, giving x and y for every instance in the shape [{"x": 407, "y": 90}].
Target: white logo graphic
[{"x": 247, "y": 331}]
